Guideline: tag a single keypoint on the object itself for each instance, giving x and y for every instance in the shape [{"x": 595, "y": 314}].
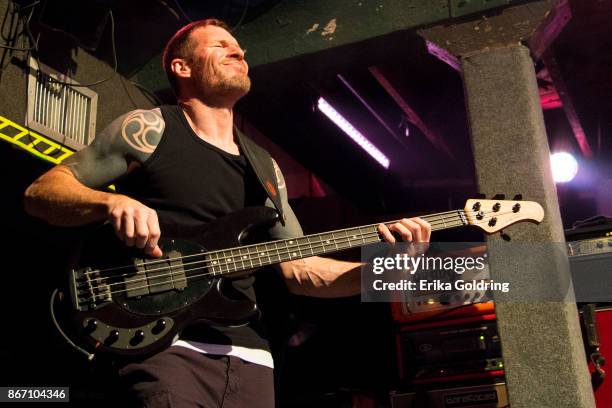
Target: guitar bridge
[
  {"x": 89, "y": 289},
  {"x": 156, "y": 275}
]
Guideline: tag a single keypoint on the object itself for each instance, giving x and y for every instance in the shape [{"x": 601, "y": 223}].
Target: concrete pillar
[{"x": 541, "y": 340}]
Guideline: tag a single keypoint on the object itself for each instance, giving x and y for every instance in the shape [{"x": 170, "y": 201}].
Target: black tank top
[{"x": 190, "y": 182}]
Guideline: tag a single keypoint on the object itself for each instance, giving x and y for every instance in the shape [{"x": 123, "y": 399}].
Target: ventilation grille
[{"x": 62, "y": 112}]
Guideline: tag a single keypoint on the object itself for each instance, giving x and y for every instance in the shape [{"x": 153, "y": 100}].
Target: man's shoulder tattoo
[
  {"x": 279, "y": 175},
  {"x": 142, "y": 130}
]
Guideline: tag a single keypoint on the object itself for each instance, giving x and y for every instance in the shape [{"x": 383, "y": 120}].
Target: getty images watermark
[
  {"x": 405, "y": 263},
  {"x": 447, "y": 273},
  {"x": 463, "y": 273}
]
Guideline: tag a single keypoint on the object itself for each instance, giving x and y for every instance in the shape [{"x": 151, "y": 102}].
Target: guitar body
[{"x": 118, "y": 301}]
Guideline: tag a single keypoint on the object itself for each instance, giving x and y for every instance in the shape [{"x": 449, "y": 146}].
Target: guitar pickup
[{"x": 156, "y": 275}]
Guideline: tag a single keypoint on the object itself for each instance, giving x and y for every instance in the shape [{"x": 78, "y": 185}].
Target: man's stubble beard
[
  {"x": 235, "y": 86},
  {"x": 240, "y": 84}
]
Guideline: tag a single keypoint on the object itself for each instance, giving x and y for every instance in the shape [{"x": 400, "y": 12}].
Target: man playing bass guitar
[{"x": 180, "y": 166}]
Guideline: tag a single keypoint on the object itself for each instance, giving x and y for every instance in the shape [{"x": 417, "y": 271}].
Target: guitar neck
[{"x": 243, "y": 258}]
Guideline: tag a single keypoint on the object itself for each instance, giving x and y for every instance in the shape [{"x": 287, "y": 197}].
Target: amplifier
[
  {"x": 601, "y": 230},
  {"x": 591, "y": 268},
  {"x": 459, "y": 351},
  {"x": 493, "y": 395},
  {"x": 590, "y": 247},
  {"x": 481, "y": 396},
  {"x": 404, "y": 400},
  {"x": 414, "y": 306},
  {"x": 590, "y": 256}
]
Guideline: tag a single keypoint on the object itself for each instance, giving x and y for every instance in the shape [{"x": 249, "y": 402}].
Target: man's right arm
[{"x": 68, "y": 194}]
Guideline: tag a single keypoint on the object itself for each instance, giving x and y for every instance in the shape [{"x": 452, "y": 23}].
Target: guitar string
[
  {"x": 298, "y": 247},
  {"x": 451, "y": 215},
  {"x": 199, "y": 275},
  {"x": 286, "y": 251}
]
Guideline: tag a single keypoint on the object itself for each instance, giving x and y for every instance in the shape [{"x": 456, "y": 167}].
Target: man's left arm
[{"x": 325, "y": 277}]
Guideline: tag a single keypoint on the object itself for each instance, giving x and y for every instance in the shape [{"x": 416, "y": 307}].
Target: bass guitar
[{"x": 117, "y": 301}]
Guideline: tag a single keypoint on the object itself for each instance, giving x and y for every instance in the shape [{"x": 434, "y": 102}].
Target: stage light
[
  {"x": 564, "y": 167},
  {"x": 353, "y": 133}
]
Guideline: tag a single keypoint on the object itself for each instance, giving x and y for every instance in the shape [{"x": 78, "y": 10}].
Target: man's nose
[{"x": 236, "y": 52}]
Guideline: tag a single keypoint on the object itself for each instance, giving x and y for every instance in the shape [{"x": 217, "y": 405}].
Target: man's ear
[{"x": 181, "y": 68}]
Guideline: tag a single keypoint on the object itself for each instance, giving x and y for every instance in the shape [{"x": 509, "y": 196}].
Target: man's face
[{"x": 217, "y": 63}]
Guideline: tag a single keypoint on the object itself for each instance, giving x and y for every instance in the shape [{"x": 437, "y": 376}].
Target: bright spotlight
[{"x": 564, "y": 167}]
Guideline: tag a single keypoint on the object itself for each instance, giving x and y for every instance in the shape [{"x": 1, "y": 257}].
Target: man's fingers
[
  {"x": 141, "y": 232},
  {"x": 154, "y": 234},
  {"x": 414, "y": 228},
  {"x": 135, "y": 224},
  {"x": 425, "y": 228},
  {"x": 387, "y": 235},
  {"x": 127, "y": 228},
  {"x": 116, "y": 221},
  {"x": 156, "y": 252},
  {"x": 404, "y": 230}
]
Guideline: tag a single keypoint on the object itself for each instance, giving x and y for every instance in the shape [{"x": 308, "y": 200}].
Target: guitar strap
[{"x": 262, "y": 164}]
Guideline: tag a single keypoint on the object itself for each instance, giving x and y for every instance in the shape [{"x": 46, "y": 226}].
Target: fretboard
[{"x": 232, "y": 260}]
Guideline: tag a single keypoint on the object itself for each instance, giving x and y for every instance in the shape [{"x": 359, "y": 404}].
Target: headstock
[{"x": 494, "y": 215}]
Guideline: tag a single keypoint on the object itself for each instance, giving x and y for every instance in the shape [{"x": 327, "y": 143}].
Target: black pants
[{"x": 180, "y": 377}]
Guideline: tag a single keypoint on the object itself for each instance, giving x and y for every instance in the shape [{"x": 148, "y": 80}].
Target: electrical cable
[
  {"x": 25, "y": 22},
  {"x": 34, "y": 3},
  {"x": 88, "y": 355},
  {"x": 244, "y": 12},
  {"x": 115, "y": 65},
  {"x": 127, "y": 91},
  {"x": 18, "y": 10},
  {"x": 147, "y": 91},
  {"x": 238, "y": 24},
  {"x": 13, "y": 34},
  {"x": 34, "y": 46},
  {"x": 114, "y": 49},
  {"x": 14, "y": 48},
  {"x": 178, "y": 5}
]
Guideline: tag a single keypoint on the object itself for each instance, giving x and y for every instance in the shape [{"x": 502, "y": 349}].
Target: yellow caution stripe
[
  {"x": 40, "y": 146},
  {"x": 34, "y": 143}
]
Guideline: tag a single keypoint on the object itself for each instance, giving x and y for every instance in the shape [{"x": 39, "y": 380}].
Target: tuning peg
[
  {"x": 499, "y": 197},
  {"x": 518, "y": 197},
  {"x": 504, "y": 236}
]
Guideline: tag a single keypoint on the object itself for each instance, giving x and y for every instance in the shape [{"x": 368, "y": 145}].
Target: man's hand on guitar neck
[
  {"x": 325, "y": 277},
  {"x": 135, "y": 224},
  {"x": 414, "y": 230}
]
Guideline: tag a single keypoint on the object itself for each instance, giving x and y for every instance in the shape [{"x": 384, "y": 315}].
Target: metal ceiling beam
[
  {"x": 299, "y": 27},
  {"x": 294, "y": 28},
  {"x": 549, "y": 29},
  {"x": 536, "y": 24},
  {"x": 433, "y": 137},
  {"x": 371, "y": 110},
  {"x": 568, "y": 104}
]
